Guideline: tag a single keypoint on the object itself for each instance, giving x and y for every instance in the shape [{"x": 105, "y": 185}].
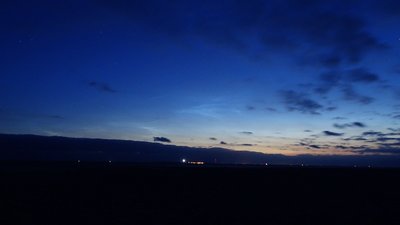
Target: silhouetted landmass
[
  {"x": 42, "y": 148},
  {"x": 100, "y": 193},
  {"x": 145, "y": 183}
]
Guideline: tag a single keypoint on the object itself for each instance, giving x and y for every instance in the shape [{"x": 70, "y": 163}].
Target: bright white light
[
  {"x": 109, "y": 161},
  {"x": 183, "y": 160},
  {"x": 266, "y": 164}
]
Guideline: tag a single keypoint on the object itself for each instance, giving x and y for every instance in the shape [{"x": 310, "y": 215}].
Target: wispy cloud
[
  {"x": 344, "y": 81},
  {"x": 351, "y": 95},
  {"x": 339, "y": 118},
  {"x": 296, "y": 101},
  {"x": 361, "y": 75},
  {"x": 101, "y": 86},
  {"x": 270, "y": 109},
  {"x": 333, "y": 37},
  {"x": 213, "y": 110},
  {"x": 348, "y": 125}
]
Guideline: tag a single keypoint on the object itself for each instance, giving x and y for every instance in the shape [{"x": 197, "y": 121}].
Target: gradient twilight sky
[{"x": 290, "y": 77}]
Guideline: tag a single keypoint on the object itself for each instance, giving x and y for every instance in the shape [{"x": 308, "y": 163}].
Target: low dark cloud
[
  {"x": 308, "y": 143},
  {"x": 307, "y": 131},
  {"x": 358, "y": 124},
  {"x": 162, "y": 139},
  {"x": 314, "y": 146},
  {"x": 296, "y": 101},
  {"x": 246, "y": 144},
  {"x": 213, "y": 138},
  {"x": 385, "y": 139},
  {"x": 380, "y": 134},
  {"x": 330, "y": 133},
  {"x": 355, "y": 138},
  {"x": 390, "y": 145},
  {"x": 372, "y": 133},
  {"x": 223, "y": 143},
  {"x": 101, "y": 86},
  {"x": 247, "y": 132},
  {"x": 391, "y": 151},
  {"x": 347, "y": 125},
  {"x": 381, "y": 139},
  {"x": 393, "y": 133},
  {"x": 394, "y": 129}
]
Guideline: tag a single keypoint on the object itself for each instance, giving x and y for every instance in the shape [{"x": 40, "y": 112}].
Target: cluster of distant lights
[
  {"x": 192, "y": 162},
  {"x": 185, "y": 161}
]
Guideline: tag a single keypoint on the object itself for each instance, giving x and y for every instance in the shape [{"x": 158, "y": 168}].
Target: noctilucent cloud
[{"x": 289, "y": 77}]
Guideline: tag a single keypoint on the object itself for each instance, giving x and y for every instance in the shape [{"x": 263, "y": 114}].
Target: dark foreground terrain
[{"x": 68, "y": 193}]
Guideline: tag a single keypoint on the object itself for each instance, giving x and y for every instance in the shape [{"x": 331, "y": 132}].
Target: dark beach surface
[{"x": 116, "y": 193}]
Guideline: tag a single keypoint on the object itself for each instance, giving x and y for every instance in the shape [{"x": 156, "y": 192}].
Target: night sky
[{"x": 289, "y": 77}]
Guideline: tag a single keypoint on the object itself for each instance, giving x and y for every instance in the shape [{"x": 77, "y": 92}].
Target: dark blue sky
[{"x": 289, "y": 77}]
